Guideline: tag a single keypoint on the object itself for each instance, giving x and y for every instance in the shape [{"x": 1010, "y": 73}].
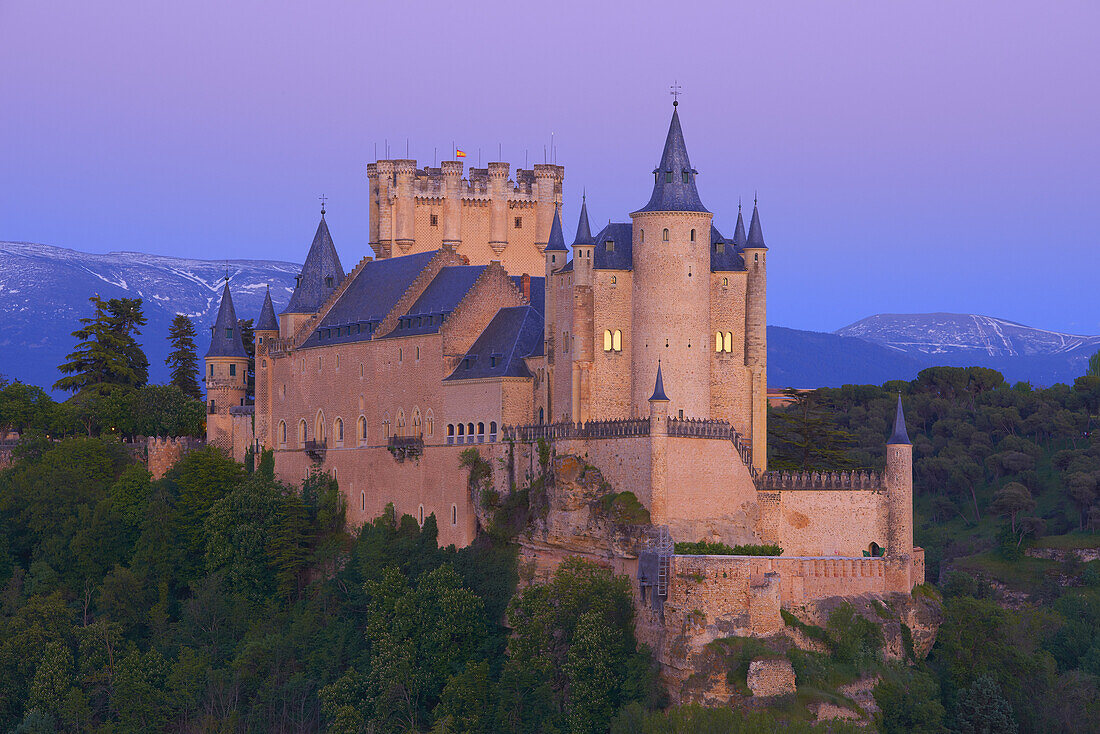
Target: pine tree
[
  {"x": 183, "y": 360},
  {"x": 805, "y": 437},
  {"x": 107, "y": 352}
]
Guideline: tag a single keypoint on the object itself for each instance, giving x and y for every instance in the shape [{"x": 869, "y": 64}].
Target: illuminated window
[
  {"x": 614, "y": 279},
  {"x": 617, "y": 341},
  {"x": 607, "y": 341},
  {"x": 718, "y": 341},
  {"x": 727, "y": 342}
]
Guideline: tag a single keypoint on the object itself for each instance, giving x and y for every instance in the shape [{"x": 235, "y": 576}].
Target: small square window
[
  {"x": 609, "y": 245},
  {"x": 519, "y": 222},
  {"x": 434, "y": 220}
]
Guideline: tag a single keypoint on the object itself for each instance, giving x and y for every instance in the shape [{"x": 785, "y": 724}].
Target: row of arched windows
[
  {"x": 664, "y": 235},
  {"x": 320, "y": 432},
  {"x": 471, "y": 433},
  {"x": 420, "y": 516}
]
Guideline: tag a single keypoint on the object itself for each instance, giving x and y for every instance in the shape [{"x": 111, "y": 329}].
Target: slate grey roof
[
  {"x": 267, "y": 320},
  {"x": 557, "y": 239},
  {"x": 438, "y": 300},
  {"x": 900, "y": 435},
  {"x": 225, "y": 340},
  {"x": 320, "y": 275},
  {"x": 584, "y": 233},
  {"x": 659, "y": 388},
  {"x": 538, "y": 291},
  {"x": 621, "y": 254},
  {"x": 756, "y": 237},
  {"x": 739, "y": 232},
  {"x": 724, "y": 253},
  {"x": 514, "y": 333},
  {"x": 671, "y": 192},
  {"x": 368, "y": 299}
]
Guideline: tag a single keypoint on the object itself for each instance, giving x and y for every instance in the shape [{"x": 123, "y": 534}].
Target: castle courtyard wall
[{"x": 824, "y": 522}]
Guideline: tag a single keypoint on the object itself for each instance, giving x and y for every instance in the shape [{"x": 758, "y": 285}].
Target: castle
[{"x": 641, "y": 348}]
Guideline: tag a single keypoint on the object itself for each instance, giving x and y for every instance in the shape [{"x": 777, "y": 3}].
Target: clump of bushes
[
  {"x": 703, "y": 548},
  {"x": 624, "y": 508}
]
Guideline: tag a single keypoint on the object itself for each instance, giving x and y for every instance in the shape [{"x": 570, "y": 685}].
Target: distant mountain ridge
[{"x": 44, "y": 292}]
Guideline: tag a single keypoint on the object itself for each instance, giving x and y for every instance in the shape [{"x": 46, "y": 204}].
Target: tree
[
  {"x": 107, "y": 352},
  {"x": 24, "y": 407},
  {"x": 1094, "y": 365},
  {"x": 909, "y": 701},
  {"x": 1012, "y": 499},
  {"x": 983, "y": 709},
  {"x": 182, "y": 360},
  {"x": 1080, "y": 488},
  {"x": 248, "y": 338},
  {"x": 805, "y": 435}
]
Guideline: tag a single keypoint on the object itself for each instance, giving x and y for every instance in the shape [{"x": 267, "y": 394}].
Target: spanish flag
[{"x": 460, "y": 154}]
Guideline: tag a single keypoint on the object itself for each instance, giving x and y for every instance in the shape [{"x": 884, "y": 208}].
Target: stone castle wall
[
  {"x": 161, "y": 454},
  {"x": 824, "y": 522}
]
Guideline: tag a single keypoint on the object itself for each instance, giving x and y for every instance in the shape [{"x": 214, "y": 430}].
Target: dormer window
[
  {"x": 328, "y": 281},
  {"x": 685, "y": 175},
  {"x": 668, "y": 176},
  {"x": 229, "y": 332},
  {"x": 297, "y": 280},
  {"x": 609, "y": 245}
]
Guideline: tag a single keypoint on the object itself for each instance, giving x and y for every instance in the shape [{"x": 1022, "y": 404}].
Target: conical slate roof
[
  {"x": 226, "y": 339},
  {"x": 557, "y": 239},
  {"x": 659, "y": 388},
  {"x": 267, "y": 320},
  {"x": 584, "y": 233},
  {"x": 901, "y": 436},
  {"x": 756, "y": 237},
  {"x": 320, "y": 276},
  {"x": 739, "y": 232},
  {"x": 674, "y": 180}
]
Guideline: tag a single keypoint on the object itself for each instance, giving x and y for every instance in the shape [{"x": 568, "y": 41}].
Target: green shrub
[
  {"x": 704, "y": 548},
  {"x": 624, "y": 508}
]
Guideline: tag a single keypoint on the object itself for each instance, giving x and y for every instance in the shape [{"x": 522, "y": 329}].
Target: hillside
[{"x": 44, "y": 292}]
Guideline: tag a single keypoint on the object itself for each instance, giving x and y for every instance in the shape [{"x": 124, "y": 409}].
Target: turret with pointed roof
[
  {"x": 900, "y": 437},
  {"x": 659, "y": 387},
  {"x": 674, "y": 179},
  {"x": 556, "y": 242},
  {"x": 267, "y": 321},
  {"x": 584, "y": 232},
  {"x": 756, "y": 237},
  {"x": 320, "y": 276},
  {"x": 739, "y": 238},
  {"x": 225, "y": 341}
]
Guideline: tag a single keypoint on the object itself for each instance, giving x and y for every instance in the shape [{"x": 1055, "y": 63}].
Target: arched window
[
  {"x": 617, "y": 341},
  {"x": 664, "y": 236},
  {"x": 282, "y": 434},
  {"x": 363, "y": 501},
  {"x": 320, "y": 431},
  {"x": 607, "y": 340},
  {"x": 420, "y": 515},
  {"x": 361, "y": 430},
  {"x": 614, "y": 279},
  {"x": 480, "y": 432},
  {"x": 386, "y": 426},
  {"x": 492, "y": 430},
  {"x": 718, "y": 341},
  {"x": 692, "y": 231},
  {"x": 641, "y": 235},
  {"x": 401, "y": 422},
  {"x": 542, "y": 416},
  {"x": 338, "y": 431},
  {"x": 454, "y": 514},
  {"x": 302, "y": 433},
  {"x": 416, "y": 423},
  {"x": 430, "y": 421},
  {"x": 725, "y": 282},
  {"x": 450, "y": 433},
  {"x": 470, "y": 429},
  {"x": 461, "y": 430},
  {"x": 727, "y": 344}
]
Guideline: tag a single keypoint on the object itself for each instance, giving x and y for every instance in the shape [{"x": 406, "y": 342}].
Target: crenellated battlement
[
  {"x": 162, "y": 452},
  {"x": 867, "y": 480},
  {"x": 430, "y": 182}
]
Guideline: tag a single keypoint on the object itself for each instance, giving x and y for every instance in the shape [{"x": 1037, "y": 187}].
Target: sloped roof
[
  {"x": 724, "y": 253},
  {"x": 225, "y": 341},
  {"x": 739, "y": 232},
  {"x": 267, "y": 320},
  {"x": 538, "y": 291},
  {"x": 621, "y": 255},
  {"x": 671, "y": 192},
  {"x": 438, "y": 300},
  {"x": 321, "y": 263},
  {"x": 584, "y": 232},
  {"x": 659, "y": 387},
  {"x": 369, "y": 298},
  {"x": 900, "y": 435},
  {"x": 499, "y": 351},
  {"x": 556, "y": 243},
  {"x": 756, "y": 237}
]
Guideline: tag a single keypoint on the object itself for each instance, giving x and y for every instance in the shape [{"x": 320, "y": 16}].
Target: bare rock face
[{"x": 916, "y": 617}]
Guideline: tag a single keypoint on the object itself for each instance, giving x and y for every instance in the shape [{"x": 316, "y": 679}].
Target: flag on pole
[{"x": 460, "y": 154}]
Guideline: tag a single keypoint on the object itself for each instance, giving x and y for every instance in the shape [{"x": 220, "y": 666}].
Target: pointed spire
[
  {"x": 267, "y": 320},
  {"x": 226, "y": 339},
  {"x": 584, "y": 232},
  {"x": 756, "y": 236},
  {"x": 674, "y": 180},
  {"x": 321, "y": 274},
  {"x": 739, "y": 238},
  {"x": 557, "y": 239},
  {"x": 900, "y": 436},
  {"x": 659, "y": 388}
]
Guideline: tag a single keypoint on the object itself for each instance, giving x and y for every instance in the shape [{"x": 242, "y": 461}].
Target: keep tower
[{"x": 671, "y": 285}]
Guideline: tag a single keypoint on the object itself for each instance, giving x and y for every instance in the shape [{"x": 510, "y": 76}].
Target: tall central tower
[{"x": 671, "y": 285}]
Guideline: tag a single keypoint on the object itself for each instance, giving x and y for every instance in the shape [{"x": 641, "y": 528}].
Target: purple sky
[{"x": 936, "y": 157}]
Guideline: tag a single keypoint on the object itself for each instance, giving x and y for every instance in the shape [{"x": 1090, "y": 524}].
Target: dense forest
[{"x": 221, "y": 599}]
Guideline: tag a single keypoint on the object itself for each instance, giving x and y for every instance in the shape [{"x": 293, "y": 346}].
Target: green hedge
[{"x": 703, "y": 548}]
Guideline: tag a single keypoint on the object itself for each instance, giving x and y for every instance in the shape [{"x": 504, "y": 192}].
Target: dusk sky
[{"x": 932, "y": 157}]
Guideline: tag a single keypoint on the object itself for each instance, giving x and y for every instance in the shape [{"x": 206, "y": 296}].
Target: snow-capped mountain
[
  {"x": 44, "y": 292},
  {"x": 1020, "y": 352}
]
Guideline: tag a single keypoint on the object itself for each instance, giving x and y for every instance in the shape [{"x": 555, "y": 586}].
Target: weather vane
[
  {"x": 323, "y": 199},
  {"x": 675, "y": 91}
]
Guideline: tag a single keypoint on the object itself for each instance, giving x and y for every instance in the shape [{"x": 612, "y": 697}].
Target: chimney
[{"x": 525, "y": 283}]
